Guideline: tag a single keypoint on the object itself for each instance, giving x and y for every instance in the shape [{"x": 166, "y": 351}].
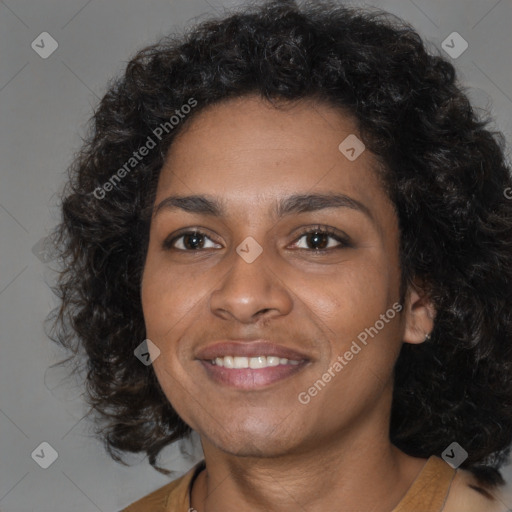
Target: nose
[{"x": 250, "y": 291}]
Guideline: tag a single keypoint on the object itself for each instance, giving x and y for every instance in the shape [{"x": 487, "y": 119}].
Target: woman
[{"x": 288, "y": 232}]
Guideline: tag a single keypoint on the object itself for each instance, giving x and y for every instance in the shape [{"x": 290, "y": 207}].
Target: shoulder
[
  {"x": 468, "y": 495},
  {"x": 173, "y": 494},
  {"x": 155, "y": 501}
]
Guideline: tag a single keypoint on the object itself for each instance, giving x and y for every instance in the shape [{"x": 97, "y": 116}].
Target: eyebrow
[{"x": 294, "y": 204}]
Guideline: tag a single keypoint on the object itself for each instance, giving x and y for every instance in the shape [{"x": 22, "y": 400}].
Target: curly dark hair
[{"x": 443, "y": 168}]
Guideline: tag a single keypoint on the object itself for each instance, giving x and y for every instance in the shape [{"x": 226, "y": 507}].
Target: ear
[{"x": 419, "y": 314}]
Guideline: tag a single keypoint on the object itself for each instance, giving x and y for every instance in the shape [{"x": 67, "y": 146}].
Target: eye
[
  {"x": 188, "y": 241},
  {"x": 318, "y": 237}
]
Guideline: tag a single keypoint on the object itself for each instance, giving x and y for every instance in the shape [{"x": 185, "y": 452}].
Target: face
[{"x": 269, "y": 253}]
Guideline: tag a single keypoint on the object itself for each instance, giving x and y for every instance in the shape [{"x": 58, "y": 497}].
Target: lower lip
[{"x": 247, "y": 378}]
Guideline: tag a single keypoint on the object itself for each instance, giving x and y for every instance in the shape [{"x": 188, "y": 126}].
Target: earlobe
[{"x": 419, "y": 315}]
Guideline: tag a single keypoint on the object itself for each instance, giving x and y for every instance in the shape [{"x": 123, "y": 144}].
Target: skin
[{"x": 264, "y": 450}]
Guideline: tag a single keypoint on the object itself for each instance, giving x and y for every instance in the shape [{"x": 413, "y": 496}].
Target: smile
[
  {"x": 252, "y": 362},
  {"x": 251, "y": 373}
]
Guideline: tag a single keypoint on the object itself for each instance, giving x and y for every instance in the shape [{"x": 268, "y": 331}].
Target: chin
[{"x": 262, "y": 440}]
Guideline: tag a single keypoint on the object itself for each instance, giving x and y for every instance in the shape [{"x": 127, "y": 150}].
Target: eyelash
[{"x": 321, "y": 230}]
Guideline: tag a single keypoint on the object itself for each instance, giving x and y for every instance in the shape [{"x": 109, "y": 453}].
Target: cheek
[
  {"x": 166, "y": 303},
  {"x": 350, "y": 299},
  {"x": 168, "y": 296},
  {"x": 350, "y": 306}
]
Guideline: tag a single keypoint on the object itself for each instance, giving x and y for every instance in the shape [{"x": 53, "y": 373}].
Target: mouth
[
  {"x": 243, "y": 376},
  {"x": 250, "y": 365}
]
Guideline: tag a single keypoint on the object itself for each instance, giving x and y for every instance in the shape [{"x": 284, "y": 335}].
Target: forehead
[{"x": 246, "y": 151}]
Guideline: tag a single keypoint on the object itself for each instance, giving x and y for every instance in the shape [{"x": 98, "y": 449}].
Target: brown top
[{"x": 428, "y": 492}]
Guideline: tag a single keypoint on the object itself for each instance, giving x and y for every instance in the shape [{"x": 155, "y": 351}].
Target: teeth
[{"x": 252, "y": 362}]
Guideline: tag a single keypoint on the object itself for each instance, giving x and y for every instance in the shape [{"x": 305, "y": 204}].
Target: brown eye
[
  {"x": 317, "y": 240},
  {"x": 189, "y": 241}
]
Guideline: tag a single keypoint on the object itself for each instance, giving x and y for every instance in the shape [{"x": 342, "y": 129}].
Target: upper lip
[{"x": 249, "y": 349}]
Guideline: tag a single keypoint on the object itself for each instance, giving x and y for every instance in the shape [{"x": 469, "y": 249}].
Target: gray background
[{"x": 44, "y": 104}]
